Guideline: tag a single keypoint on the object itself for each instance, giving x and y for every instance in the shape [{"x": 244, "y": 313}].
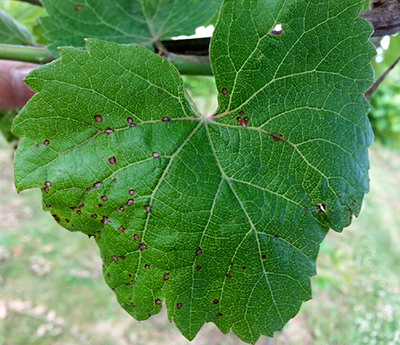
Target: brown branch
[
  {"x": 371, "y": 91},
  {"x": 384, "y": 16}
]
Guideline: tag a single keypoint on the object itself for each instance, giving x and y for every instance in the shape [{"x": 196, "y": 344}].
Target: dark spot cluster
[
  {"x": 131, "y": 122},
  {"x": 243, "y": 121}
]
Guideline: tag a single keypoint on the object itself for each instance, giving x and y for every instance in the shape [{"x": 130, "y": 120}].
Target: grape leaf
[
  {"x": 13, "y": 32},
  {"x": 124, "y": 21},
  {"x": 221, "y": 218}
]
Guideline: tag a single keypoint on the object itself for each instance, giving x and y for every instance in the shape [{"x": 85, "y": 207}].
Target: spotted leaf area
[
  {"x": 218, "y": 218},
  {"x": 124, "y": 21}
]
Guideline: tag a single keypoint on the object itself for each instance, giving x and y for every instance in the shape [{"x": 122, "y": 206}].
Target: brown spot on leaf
[
  {"x": 147, "y": 266},
  {"x": 46, "y": 190},
  {"x": 123, "y": 258},
  {"x": 57, "y": 218},
  {"x": 100, "y": 205},
  {"x": 79, "y": 212},
  {"x": 132, "y": 192},
  {"x": 122, "y": 229},
  {"x": 130, "y": 202},
  {"x": 229, "y": 276},
  {"x": 47, "y": 183},
  {"x": 104, "y": 198},
  {"x": 115, "y": 259},
  {"x": 198, "y": 268},
  {"x": 158, "y": 302},
  {"x": 277, "y": 137},
  {"x": 220, "y": 314},
  {"x": 109, "y": 131},
  {"x": 147, "y": 208},
  {"x": 46, "y": 142},
  {"x": 98, "y": 184},
  {"x": 244, "y": 268},
  {"x": 216, "y": 301},
  {"x": 98, "y": 118},
  {"x": 166, "y": 119},
  {"x": 199, "y": 251},
  {"x": 179, "y": 305},
  {"x": 78, "y": 8},
  {"x": 166, "y": 276},
  {"x": 48, "y": 206},
  {"x": 263, "y": 256},
  {"x": 224, "y": 91},
  {"x": 156, "y": 155},
  {"x": 81, "y": 206},
  {"x": 142, "y": 246},
  {"x": 105, "y": 220},
  {"x": 122, "y": 209},
  {"x": 67, "y": 220},
  {"x": 112, "y": 160},
  {"x": 276, "y": 238},
  {"x": 136, "y": 237}
]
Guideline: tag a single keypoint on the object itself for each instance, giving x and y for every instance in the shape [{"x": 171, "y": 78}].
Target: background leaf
[
  {"x": 219, "y": 217},
  {"x": 13, "y": 32},
  {"x": 124, "y": 21}
]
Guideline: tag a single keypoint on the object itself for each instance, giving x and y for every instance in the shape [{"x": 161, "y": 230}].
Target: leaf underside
[
  {"x": 221, "y": 218},
  {"x": 123, "y": 21}
]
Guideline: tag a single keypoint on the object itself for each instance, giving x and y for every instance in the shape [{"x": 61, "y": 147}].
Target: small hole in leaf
[
  {"x": 277, "y": 30},
  {"x": 158, "y": 302},
  {"x": 47, "y": 183},
  {"x": 132, "y": 192},
  {"x": 321, "y": 208},
  {"x": 109, "y": 131},
  {"x": 156, "y": 155}
]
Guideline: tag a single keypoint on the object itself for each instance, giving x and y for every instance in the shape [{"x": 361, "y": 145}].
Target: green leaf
[
  {"x": 124, "y": 21},
  {"x": 221, "y": 218},
  {"x": 6, "y": 119},
  {"x": 13, "y": 32}
]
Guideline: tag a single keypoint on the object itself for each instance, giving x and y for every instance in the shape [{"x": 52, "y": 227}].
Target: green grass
[{"x": 356, "y": 293}]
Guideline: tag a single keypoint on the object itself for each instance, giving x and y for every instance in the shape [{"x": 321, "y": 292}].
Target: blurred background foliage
[{"x": 52, "y": 291}]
